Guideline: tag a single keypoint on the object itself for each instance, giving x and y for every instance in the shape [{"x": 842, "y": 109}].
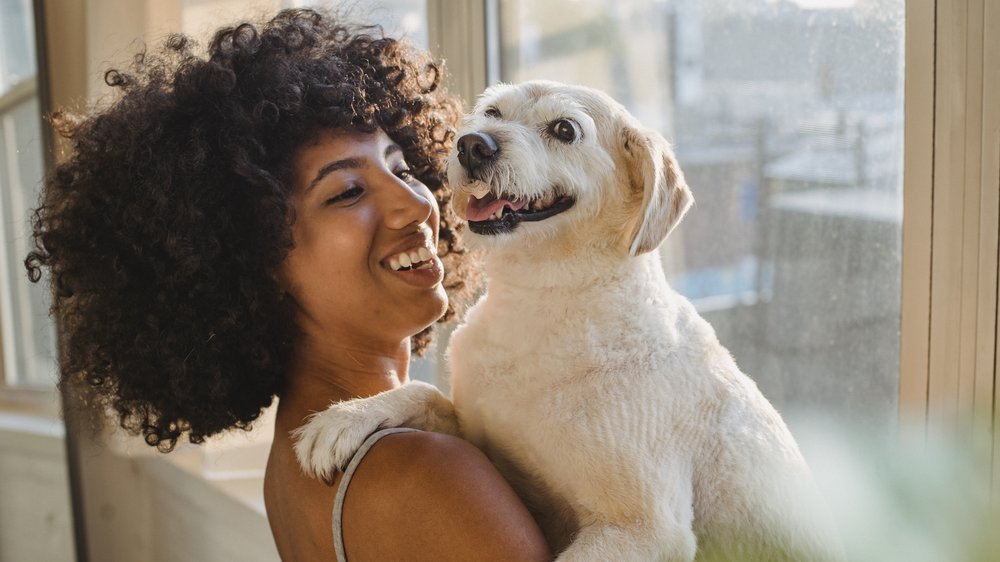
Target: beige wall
[
  {"x": 151, "y": 507},
  {"x": 86, "y": 38},
  {"x": 35, "y": 518}
]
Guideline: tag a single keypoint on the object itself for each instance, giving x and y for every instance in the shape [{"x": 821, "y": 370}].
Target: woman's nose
[{"x": 408, "y": 203}]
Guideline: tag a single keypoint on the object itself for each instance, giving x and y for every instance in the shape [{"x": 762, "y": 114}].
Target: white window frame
[
  {"x": 17, "y": 395},
  {"x": 464, "y": 34},
  {"x": 951, "y": 224},
  {"x": 9, "y": 346}
]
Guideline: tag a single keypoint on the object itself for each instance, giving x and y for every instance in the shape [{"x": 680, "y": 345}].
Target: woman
[{"x": 266, "y": 221}]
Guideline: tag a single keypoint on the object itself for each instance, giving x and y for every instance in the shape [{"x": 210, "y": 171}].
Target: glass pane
[
  {"x": 28, "y": 335},
  {"x": 17, "y": 43},
  {"x": 399, "y": 18},
  {"x": 787, "y": 120},
  {"x": 200, "y": 18}
]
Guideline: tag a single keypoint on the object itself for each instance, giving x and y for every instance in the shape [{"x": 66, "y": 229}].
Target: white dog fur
[{"x": 597, "y": 390}]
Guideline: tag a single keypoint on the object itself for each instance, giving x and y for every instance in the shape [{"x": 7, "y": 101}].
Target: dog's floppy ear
[{"x": 654, "y": 173}]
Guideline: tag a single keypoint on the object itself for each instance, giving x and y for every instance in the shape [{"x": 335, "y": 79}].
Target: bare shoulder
[
  {"x": 428, "y": 496},
  {"x": 299, "y": 508}
]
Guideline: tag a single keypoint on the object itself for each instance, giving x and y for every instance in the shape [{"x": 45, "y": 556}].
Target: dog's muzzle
[
  {"x": 475, "y": 150},
  {"x": 497, "y": 212}
]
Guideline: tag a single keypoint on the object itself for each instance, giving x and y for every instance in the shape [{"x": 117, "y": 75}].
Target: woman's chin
[
  {"x": 441, "y": 307},
  {"x": 430, "y": 312}
]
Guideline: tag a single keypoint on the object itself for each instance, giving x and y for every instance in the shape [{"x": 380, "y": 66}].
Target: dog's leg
[
  {"x": 629, "y": 515},
  {"x": 637, "y": 541},
  {"x": 331, "y": 437}
]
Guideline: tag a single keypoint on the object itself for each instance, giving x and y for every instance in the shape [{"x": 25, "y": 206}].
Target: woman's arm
[{"x": 428, "y": 496}]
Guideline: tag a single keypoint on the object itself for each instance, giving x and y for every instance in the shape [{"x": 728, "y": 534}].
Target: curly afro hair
[{"x": 163, "y": 231}]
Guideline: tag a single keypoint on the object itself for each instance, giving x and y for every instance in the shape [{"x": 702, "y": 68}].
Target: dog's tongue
[{"x": 482, "y": 209}]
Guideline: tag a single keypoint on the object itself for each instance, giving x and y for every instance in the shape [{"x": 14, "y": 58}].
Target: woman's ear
[{"x": 658, "y": 182}]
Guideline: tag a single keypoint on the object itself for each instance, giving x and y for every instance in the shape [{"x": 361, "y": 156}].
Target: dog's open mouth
[{"x": 496, "y": 214}]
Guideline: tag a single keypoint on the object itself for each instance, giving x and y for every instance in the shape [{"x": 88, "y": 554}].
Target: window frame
[
  {"x": 952, "y": 225},
  {"x": 17, "y": 394},
  {"x": 452, "y": 30},
  {"x": 918, "y": 164},
  {"x": 19, "y": 93},
  {"x": 991, "y": 183}
]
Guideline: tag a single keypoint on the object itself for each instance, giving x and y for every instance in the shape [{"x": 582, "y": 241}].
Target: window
[
  {"x": 787, "y": 120},
  {"x": 28, "y": 341},
  {"x": 399, "y": 18}
]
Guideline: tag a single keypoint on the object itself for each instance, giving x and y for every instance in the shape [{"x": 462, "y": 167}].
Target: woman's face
[{"x": 364, "y": 267}]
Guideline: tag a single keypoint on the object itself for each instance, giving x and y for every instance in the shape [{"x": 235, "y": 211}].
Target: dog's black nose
[{"x": 476, "y": 148}]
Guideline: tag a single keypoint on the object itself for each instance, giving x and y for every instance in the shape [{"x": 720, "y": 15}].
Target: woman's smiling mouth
[
  {"x": 417, "y": 265},
  {"x": 416, "y": 258}
]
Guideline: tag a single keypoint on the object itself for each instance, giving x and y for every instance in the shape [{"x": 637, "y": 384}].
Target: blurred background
[{"x": 789, "y": 119}]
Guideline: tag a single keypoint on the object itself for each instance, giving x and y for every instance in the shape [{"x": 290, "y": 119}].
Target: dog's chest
[
  {"x": 511, "y": 345},
  {"x": 510, "y": 356},
  {"x": 519, "y": 364}
]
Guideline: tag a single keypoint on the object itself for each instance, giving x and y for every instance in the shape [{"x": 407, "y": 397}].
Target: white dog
[{"x": 596, "y": 389}]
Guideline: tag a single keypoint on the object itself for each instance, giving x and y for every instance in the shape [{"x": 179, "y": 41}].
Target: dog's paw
[{"x": 328, "y": 441}]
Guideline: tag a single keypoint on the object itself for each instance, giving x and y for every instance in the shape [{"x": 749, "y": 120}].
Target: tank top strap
[{"x": 345, "y": 481}]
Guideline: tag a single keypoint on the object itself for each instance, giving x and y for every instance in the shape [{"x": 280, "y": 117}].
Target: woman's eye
[
  {"x": 349, "y": 194},
  {"x": 405, "y": 174},
  {"x": 564, "y": 130}
]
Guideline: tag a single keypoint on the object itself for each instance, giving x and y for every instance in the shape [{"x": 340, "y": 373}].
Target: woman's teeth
[{"x": 418, "y": 258}]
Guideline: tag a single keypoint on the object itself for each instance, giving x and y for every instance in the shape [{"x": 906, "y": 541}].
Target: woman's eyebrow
[
  {"x": 333, "y": 167},
  {"x": 347, "y": 163}
]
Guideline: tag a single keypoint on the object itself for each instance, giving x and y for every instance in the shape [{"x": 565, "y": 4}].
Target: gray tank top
[{"x": 338, "y": 502}]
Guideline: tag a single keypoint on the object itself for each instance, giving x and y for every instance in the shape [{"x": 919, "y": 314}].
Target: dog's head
[{"x": 541, "y": 160}]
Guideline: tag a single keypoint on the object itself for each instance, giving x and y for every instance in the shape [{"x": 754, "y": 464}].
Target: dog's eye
[
  {"x": 564, "y": 130},
  {"x": 492, "y": 112}
]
